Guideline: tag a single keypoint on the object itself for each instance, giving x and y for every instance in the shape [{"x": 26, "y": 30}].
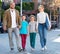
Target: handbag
[{"x": 47, "y": 23}]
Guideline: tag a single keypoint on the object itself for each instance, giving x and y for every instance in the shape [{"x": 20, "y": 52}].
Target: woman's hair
[
  {"x": 33, "y": 17},
  {"x": 24, "y": 16},
  {"x": 40, "y": 6}
]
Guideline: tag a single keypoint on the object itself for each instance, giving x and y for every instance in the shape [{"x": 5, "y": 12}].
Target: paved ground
[{"x": 53, "y": 44}]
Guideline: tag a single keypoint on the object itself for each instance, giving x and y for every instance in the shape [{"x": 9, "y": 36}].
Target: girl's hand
[
  {"x": 28, "y": 34},
  {"x": 37, "y": 30},
  {"x": 19, "y": 26}
]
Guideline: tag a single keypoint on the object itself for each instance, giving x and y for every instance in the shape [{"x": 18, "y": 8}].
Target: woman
[{"x": 42, "y": 29}]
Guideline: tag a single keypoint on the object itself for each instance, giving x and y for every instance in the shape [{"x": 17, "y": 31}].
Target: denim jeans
[{"x": 42, "y": 33}]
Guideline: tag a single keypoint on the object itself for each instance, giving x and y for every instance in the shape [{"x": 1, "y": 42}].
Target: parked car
[
  {"x": 54, "y": 24},
  {"x": 1, "y": 28}
]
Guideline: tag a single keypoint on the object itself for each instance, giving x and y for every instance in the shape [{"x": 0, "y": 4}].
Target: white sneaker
[
  {"x": 32, "y": 49},
  {"x": 45, "y": 48},
  {"x": 42, "y": 49}
]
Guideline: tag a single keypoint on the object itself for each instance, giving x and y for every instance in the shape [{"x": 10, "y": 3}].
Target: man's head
[{"x": 12, "y": 5}]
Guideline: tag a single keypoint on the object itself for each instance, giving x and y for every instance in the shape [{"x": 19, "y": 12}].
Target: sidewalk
[{"x": 53, "y": 44}]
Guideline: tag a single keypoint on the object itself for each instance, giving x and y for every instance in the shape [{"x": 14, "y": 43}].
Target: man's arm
[
  {"x": 19, "y": 21},
  {"x": 5, "y": 20}
]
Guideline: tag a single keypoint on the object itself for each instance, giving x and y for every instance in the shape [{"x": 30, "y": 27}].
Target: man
[{"x": 11, "y": 21}]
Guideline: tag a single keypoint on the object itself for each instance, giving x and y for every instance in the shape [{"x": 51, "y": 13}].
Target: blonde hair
[
  {"x": 40, "y": 6},
  {"x": 11, "y": 2}
]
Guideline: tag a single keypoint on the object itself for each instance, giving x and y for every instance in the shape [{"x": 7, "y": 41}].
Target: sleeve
[
  {"x": 5, "y": 18},
  {"x": 36, "y": 27},
  {"x": 19, "y": 21},
  {"x": 37, "y": 21},
  {"x": 27, "y": 24},
  {"x": 29, "y": 27},
  {"x": 49, "y": 21}
]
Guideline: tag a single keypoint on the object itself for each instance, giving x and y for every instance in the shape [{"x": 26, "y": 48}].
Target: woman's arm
[{"x": 49, "y": 21}]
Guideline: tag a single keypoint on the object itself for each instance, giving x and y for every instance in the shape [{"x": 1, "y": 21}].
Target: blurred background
[{"x": 29, "y": 7}]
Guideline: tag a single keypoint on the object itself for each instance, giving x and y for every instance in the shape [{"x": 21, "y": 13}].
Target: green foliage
[
  {"x": 18, "y": 8},
  {"x": 7, "y": 7},
  {"x": 2, "y": 12},
  {"x": 28, "y": 5},
  {"x": 47, "y": 10},
  {"x": 0, "y": 3}
]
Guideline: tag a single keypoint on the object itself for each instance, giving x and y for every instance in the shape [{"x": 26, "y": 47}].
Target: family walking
[{"x": 12, "y": 23}]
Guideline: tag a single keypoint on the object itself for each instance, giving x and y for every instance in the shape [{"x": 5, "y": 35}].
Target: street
[{"x": 53, "y": 44}]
